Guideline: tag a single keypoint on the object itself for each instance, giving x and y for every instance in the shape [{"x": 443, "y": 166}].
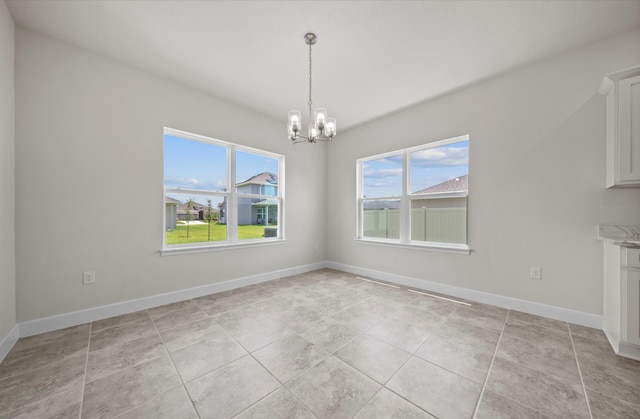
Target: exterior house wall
[
  {"x": 170, "y": 216},
  {"x": 245, "y": 211},
  {"x": 248, "y": 213}
]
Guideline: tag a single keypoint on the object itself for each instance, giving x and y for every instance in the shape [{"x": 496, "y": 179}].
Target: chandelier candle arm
[{"x": 320, "y": 127}]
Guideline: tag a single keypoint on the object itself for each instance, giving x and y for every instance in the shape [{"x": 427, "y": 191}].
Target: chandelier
[{"x": 320, "y": 127}]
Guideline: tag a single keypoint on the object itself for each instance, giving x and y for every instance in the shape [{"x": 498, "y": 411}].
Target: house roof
[
  {"x": 458, "y": 184},
  {"x": 264, "y": 178},
  {"x": 265, "y": 203},
  {"x": 196, "y": 207}
]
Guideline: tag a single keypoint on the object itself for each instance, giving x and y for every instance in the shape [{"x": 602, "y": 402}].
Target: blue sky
[
  {"x": 383, "y": 177},
  {"x": 197, "y": 165}
]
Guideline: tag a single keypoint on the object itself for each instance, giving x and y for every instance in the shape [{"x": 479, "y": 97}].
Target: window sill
[
  {"x": 178, "y": 250},
  {"x": 461, "y": 249}
]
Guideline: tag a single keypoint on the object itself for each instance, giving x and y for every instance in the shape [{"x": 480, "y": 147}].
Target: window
[
  {"x": 416, "y": 196},
  {"x": 202, "y": 210}
]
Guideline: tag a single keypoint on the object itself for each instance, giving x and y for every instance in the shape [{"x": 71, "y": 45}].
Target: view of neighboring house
[
  {"x": 455, "y": 186},
  {"x": 196, "y": 212},
  {"x": 256, "y": 211},
  {"x": 441, "y": 216},
  {"x": 171, "y": 205},
  {"x": 176, "y": 210}
]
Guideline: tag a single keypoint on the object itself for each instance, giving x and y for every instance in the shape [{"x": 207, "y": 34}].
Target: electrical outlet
[
  {"x": 89, "y": 277},
  {"x": 535, "y": 272}
]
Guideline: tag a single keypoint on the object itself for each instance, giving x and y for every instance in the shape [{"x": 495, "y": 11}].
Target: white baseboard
[
  {"x": 60, "y": 321},
  {"x": 531, "y": 307},
  {"x": 7, "y": 342},
  {"x": 629, "y": 350}
]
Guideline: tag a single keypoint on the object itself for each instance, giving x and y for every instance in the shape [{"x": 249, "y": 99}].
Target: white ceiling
[{"x": 372, "y": 57}]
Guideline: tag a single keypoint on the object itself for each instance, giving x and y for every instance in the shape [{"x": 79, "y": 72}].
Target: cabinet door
[
  {"x": 632, "y": 309},
  {"x": 629, "y": 125}
]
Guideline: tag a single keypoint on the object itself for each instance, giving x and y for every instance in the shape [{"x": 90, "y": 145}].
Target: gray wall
[
  {"x": 90, "y": 142},
  {"x": 536, "y": 180},
  {"x": 88, "y": 136},
  {"x": 7, "y": 174}
]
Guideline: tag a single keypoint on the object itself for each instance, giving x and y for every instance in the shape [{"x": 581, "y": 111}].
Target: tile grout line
[
  {"x": 248, "y": 354},
  {"x": 584, "y": 388},
  {"x": 366, "y": 403},
  {"x": 384, "y": 385},
  {"x": 282, "y": 385},
  {"x": 411, "y": 354},
  {"x": 86, "y": 367},
  {"x": 330, "y": 355},
  {"x": 184, "y": 387},
  {"x": 486, "y": 379},
  {"x": 225, "y": 331}
]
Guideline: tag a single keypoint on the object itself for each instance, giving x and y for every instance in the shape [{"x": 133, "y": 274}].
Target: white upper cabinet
[{"x": 622, "y": 89}]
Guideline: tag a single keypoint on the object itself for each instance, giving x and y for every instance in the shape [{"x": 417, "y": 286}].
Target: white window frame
[
  {"x": 405, "y": 202},
  {"x": 232, "y": 199}
]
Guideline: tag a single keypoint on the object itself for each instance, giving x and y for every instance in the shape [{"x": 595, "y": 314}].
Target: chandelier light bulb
[
  {"x": 330, "y": 127},
  {"x": 321, "y": 113},
  {"x": 295, "y": 121}
]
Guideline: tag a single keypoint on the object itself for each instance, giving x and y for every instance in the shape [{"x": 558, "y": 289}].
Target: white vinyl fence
[{"x": 444, "y": 225}]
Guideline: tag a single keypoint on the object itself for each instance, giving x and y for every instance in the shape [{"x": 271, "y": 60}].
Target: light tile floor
[{"x": 323, "y": 344}]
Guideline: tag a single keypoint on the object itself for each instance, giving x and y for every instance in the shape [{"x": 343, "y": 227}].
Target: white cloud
[
  {"x": 383, "y": 173},
  {"x": 441, "y": 157},
  {"x": 193, "y": 183}
]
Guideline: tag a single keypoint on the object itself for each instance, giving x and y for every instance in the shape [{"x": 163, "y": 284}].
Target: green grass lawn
[{"x": 198, "y": 233}]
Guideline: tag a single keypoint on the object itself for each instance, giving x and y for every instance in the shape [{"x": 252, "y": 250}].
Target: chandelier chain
[{"x": 310, "y": 102}]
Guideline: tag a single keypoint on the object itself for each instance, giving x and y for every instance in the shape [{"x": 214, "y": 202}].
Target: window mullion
[
  {"x": 359, "y": 200},
  {"x": 232, "y": 212},
  {"x": 281, "y": 192},
  {"x": 405, "y": 202}
]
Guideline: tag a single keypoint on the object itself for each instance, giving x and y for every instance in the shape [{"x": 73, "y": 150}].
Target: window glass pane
[
  {"x": 190, "y": 164},
  {"x": 382, "y": 177},
  {"x": 381, "y": 218},
  {"x": 434, "y": 170},
  {"x": 439, "y": 220},
  {"x": 201, "y": 221},
  {"x": 256, "y": 174},
  {"x": 257, "y": 218}
]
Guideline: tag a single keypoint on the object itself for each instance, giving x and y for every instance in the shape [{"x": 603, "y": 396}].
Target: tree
[
  {"x": 187, "y": 211},
  {"x": 209, "y": 215}
]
